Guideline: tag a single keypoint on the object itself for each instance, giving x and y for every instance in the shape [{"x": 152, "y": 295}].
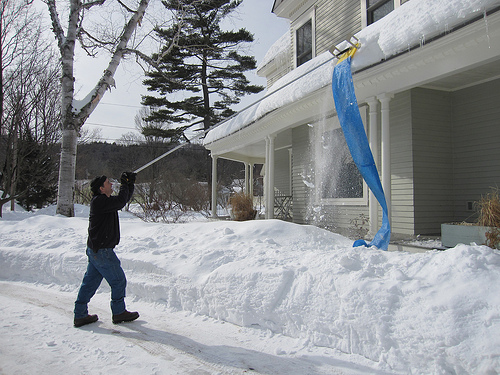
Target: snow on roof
[
  {"x": 409, "y": 25},
  {"x": 281, "y": 45}
]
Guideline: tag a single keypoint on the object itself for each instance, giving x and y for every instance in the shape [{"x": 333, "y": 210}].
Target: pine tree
[{"x": 204, "y": 67}]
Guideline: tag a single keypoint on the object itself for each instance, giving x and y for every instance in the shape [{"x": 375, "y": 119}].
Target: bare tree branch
[
  {"x": 126, "y": 7},
  {"x": 107, "y": 79},
  {"x": 56, "y": 25},
  {"x": 90, "y": 4}
]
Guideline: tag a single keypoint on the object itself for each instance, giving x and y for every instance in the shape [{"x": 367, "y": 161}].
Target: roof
[{"x": 412, "y": 25}]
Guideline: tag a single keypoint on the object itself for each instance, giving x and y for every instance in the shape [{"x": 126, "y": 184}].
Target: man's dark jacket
[{"x": 104, "y": 226}]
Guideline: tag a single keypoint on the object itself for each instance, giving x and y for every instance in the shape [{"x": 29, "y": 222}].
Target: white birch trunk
[
  {"x": 72, "y": 119},
  {"x": 67, "y": 167}
]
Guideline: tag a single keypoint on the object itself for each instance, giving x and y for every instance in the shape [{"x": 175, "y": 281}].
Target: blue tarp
[{"x": 355, "y": 136}]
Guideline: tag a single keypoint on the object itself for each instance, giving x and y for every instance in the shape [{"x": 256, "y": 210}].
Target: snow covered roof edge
[
  {"x": 282, "y": 44},
  {"x": 415, "y": 22}
]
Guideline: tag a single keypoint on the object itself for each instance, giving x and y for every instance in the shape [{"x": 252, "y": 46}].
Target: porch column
[
  {"x": 250, "y": 182},
  {"x": 386, "y": 149},
  {"x": 246, "y": 189},
  {"x": 270, "y": 176},
  {"x": 214, "y": 185},
  {"x": 373, "y": 132}
]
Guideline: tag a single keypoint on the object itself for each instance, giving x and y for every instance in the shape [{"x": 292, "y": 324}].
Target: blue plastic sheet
[{"x": 357, "y": 141}]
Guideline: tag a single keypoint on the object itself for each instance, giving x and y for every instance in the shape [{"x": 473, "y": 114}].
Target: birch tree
[{"x": 75, "y": 113}]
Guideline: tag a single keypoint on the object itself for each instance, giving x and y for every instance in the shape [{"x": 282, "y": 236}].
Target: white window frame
[
  {"x": 310, "y": 15},
  {"x": 330, "y": 124},
  {"x": 364, "y": 13}
]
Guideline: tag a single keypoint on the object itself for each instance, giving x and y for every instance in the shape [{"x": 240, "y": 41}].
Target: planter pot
[{"x": 453, "y": 234}]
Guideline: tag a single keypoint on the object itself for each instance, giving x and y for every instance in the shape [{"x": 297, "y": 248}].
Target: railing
[{"x": 283, "y": 207}]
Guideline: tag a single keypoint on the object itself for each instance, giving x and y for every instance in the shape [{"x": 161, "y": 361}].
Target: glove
[
  {"x": 131, "y": 176},
  {"x": 124, "y": 178},
  {"x": 128, "y": 178}
]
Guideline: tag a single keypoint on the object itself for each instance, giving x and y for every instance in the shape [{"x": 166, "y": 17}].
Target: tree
[
  {"x": 204, "y": 65},
  {"x": 29, "y": 107},
  {"x": 74, "y": 112},
  {"x": 18, "y": 23}
]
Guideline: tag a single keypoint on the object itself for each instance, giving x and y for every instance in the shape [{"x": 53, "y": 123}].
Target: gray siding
[
  {"x": 301, "y": 166},
  {"x": 444, "y": 151},
  {"x": 432, "y": 160},
  {"x": 282, "y": 171},
  {"x": 476, "y": 151},
  {"x": 341, "y": 219},
  {"x": 335, "y": 22},
  {"x": 401, "y": 164}
]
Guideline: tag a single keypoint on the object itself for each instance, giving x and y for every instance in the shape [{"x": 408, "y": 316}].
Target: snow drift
[{"x": 433, "y": 312}]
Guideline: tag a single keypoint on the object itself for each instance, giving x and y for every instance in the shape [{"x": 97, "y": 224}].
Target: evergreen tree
[
  {"x": 38, "y": 174},
  {"x": 204, "y": 67}
]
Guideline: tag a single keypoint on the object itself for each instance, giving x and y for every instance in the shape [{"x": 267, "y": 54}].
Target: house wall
[
  {"x": 336, "y": 21},
  {"x": 476, "y": 151},
  {"x": 444, "y": 154},
  {"x": 444, "y": 146},
  {"x": 282, "y": 172},
  {"x": 301, "y": 166},
  {"x": 432, "y": 159},
  {"x": 401, "y": 165}
]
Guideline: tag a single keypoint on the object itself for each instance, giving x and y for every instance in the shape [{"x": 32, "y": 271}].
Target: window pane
[
  {"x": 339, "y": 176},
  {"x": 377, "y": 9},
  {"x": 304, "y": 43},
  {"x": 382, "y": 11}
]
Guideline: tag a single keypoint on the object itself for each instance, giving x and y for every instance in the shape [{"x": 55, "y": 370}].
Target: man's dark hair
[{"x": 96, "y": 183}]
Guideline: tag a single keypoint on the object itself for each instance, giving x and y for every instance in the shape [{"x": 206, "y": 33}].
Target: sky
[
  {"x": 259, "y": 297},
  {"x": 116, "y": 112}
]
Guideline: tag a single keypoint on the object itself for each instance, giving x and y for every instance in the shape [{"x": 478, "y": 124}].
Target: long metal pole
[
  {"x": 220, "y": 123},
  {"x": 170, "y": 151}
]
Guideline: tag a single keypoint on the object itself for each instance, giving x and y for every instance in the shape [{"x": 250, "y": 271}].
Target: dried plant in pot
[
  {"x": 486, "y": 231},
  {"x": 242, "y": 207},
  {"x": 489, "y": 216}
]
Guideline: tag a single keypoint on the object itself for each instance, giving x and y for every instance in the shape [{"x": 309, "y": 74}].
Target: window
[
  {"x": 337, "y": 174},
  {"x": 377, "y": 9},
  {"x": 304, "y": 43}
]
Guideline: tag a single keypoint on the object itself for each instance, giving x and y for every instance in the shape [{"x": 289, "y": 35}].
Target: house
[{"x": 427, "y": 81}]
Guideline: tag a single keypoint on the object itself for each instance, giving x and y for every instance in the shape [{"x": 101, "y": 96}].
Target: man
[{"x": 104, "y": 235}]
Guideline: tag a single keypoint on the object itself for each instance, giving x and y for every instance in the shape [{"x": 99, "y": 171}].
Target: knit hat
[{"x": 96, "y": 184}]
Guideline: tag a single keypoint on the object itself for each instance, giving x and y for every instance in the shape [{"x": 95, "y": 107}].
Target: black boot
[
  {"x": 78, "y": 322},
  {"x": 125, "y": 316}
]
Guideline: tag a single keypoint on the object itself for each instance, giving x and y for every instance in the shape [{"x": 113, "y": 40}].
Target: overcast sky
[{"x": 116, "y": 112}]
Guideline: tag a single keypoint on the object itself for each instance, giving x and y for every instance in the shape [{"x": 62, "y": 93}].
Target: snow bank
[{"x": 436, "y": 312}]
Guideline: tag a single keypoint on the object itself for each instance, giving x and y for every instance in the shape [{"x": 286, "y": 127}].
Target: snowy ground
[{"x": 226, "y": 297}]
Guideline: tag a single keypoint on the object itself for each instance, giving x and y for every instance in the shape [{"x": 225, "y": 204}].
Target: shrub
[
  {"x": 242, "y": 207},
  {"x": 489, "y": 209},
  {"x": 489, "y": 216}
]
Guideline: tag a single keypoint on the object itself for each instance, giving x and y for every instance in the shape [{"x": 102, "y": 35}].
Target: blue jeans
[{"x": 102, "y": 264}]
